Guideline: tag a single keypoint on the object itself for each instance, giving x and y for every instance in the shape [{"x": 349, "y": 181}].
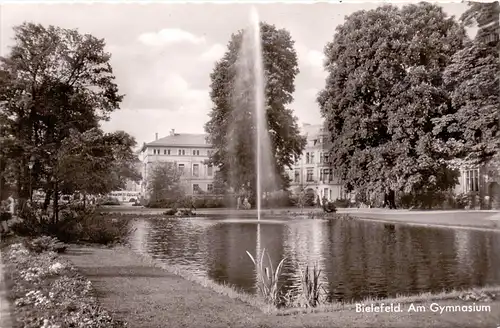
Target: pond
[{"x": 358, "y": 259}]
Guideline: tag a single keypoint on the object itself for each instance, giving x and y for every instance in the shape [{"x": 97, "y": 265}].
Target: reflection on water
[{"x": 358, "y": 259}]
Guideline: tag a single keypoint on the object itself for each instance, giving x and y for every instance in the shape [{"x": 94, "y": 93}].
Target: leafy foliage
[
  {"x": 75, "y": 226},
  {"x": 97, "y": 163},
  {"x": 55, "y": 86},
  {"x": 486, "y": 16},
  {"x": 268, "y": 277},
  {"x": 165, "y": 182},
  {"x": 385, "y": 85},
  {"x": 471, "y": 131},
  {"x": 280, "y": 68}
]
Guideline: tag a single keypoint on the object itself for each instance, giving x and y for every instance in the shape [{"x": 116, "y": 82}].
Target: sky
[{"x": 163, "y": 54}]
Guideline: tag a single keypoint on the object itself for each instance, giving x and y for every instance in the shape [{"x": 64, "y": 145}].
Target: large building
[
  {"x": 188, "y": 151},
  {"x": 313, "y": 171},
  {"x": 482, "y": 181},
  {"x": 191, "y": 151}
]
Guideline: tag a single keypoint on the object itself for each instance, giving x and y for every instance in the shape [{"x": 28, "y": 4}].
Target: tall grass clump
[
  {"x": 268, "y": 277},
  {"x": 311, "y": 287}
]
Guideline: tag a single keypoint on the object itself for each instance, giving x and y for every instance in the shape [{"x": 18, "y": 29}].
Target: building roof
[{"x": 180, "y": 140}]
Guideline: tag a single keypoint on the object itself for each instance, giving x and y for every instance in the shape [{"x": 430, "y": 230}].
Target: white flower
[{"x": 56, "y": 267}]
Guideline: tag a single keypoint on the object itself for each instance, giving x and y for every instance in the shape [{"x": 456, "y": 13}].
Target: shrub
[
  {"x": 92, "y": 227},
  {"x": 342, "y": 203},
  {"x": 110, "y": 202},
  {"x": 189, "y": 201},
  {"x": 132, "y": 200},
  {"x": 44, "y": 244},
  {"x": 162, "y": 203},
  {"x": 329, "y": 207},
  {"x": 461, "y": 200},
  {"x": 5, "y": 216},
  {"x": 85, "y": 226}
]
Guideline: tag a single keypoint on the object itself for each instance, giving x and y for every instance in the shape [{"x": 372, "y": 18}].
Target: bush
[
  {"x": 279, "y": 199},
  {"x": 44, "y": 244},
  {"x": 5, "y": 216},
  {"x": 132, "y": 200},
  {"x": 189, "y": 201},
  {"x": 342, "y": 203},
  {"x": 110, "y": 202},
  {"x": 74, "y": 227},
  {"x": 329, "y": 207},
  {"x": 434, "y": 200},
  {"x": 182, "y": 212}
]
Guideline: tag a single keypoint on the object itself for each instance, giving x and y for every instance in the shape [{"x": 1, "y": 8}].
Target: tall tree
[
  {"x": 472, "y": 131},
  {"x": 96, "y": 163},
  {"x": 280, "y": 69},
  {"x": 385, "y": 84},
  {"x": 165, "y": 182},
  {"x": 57, "y": 80}
]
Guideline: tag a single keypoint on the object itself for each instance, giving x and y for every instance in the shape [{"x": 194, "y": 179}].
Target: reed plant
[
  {"x": 268, "y": 277},
  {"x": 311, "y": 286}
]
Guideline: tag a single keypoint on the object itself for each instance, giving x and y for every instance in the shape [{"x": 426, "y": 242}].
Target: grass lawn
[{"x": 145, "y": 295}]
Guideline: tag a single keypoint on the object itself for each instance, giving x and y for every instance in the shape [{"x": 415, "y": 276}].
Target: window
[
  {"x": 166, "y": 151},
  {"x": 210, "y": 170},
  {"x": 154, "y": 151},
  {"x": 321, "y": 158},
  {"x": 196, "y": 188},
  {"x": 307, "y": 158},
  {"x": 312, "y": 158},
  {"x": 326, "y": 158},
  {"x": 209, "y": 153},
  {"x": 325, "y": 193},
  {"x": 330, "y": 175},
  {"x": 196, "y": 153},
  {"x": 181, "y": 168},
  {"x": 297, "y": 176},
  {"x": 210, "y": 187},
  {"x": 196, "y": 170},
  {"x": 310, "y": 174},
  {"x": 472, "y": 180},
  {"x": 182, "y": 152},
  {"x": 321, "y": 176},
  {"x": 325, "y": 175}
]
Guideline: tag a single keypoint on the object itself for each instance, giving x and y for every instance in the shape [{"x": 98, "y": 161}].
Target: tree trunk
[
  {"x": 46, "y": 201},
  {"x": 390, "y": 199},
  {"x": 56, "y": 203},
  {"x": 84, "y": 200}
]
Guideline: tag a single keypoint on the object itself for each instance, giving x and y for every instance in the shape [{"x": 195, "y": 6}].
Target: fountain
[{"x": 249, "y": 106}]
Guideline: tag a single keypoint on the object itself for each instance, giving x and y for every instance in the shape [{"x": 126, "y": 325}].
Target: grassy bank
[
  {"x": 149, "y": 294},
  {"x": 481, "y": 294}
]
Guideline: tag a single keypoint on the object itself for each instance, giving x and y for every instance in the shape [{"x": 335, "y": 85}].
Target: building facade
[
  {"x": 189, "y": 152},
  {"x": 313, "y": 171},
  {"x": 482, "y": 181}
]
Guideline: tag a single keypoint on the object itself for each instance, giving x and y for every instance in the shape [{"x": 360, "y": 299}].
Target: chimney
[
  {"x": 172, "y": 132},
  {"x": 156, "y": 136}
]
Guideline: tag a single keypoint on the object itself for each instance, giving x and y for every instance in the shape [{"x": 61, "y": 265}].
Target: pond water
[{"x": 358, "y": 258}]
